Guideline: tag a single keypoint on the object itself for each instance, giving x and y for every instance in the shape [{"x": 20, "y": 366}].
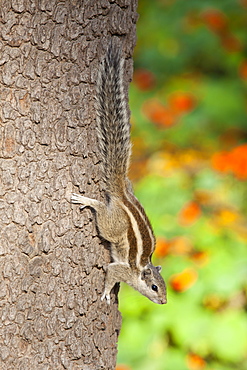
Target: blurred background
[{"x": 189, "y": 167}]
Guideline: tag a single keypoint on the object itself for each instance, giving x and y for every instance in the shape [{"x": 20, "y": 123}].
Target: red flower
[
  {"x": 215, "y": 20},
  {"x": 144, "y": 79}
]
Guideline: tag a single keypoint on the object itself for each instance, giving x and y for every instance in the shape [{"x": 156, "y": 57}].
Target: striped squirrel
[{"x": 121, "y": 219}]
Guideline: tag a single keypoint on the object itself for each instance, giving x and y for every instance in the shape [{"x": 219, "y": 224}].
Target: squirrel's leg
[
  {"x": 99, "y": 207},
  {"x": 87, "y": 202},
  {"x": 114, "y": 274},
  {"x": 111, "y": 221}
]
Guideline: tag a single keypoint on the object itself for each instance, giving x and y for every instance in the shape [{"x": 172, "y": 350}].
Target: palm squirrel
[{"x": 120, "y": 218}]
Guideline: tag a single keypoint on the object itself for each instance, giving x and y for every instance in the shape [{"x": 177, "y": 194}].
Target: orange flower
[
  {"x": 181, "y": 102},
  {"x": 181, "y": 245},
  {"x": 162, "y": 247},
  {"x": 189, "y": 213},
  {"x": 195, "y": 362},
  {"x": 227, "y": 216},
  {"x": 230, "y": 42},
  {"x": 243, "y": 70},
  {"x": 243, "y": 3},
  {"x": 200, "y": 258},
  {"x": 184, "y": 280},
  {"x": 234, "y": 161},
  {"x": 158, "y": 113},
  {"x": 220, "y": 161},
  {"x": 239, "y": 161},
  {"x": 144, "y": 79},
  {"x": 122, "y": 367},
  {"x": 214, "y": 20}
]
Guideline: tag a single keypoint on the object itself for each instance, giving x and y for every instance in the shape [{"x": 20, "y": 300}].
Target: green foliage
[{"x": 188, "y": 103}]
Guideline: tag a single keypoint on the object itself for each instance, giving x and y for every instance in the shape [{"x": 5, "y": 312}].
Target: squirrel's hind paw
[{"x": 107, "y": 297}]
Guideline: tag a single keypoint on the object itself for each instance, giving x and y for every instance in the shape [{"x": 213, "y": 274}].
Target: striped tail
[{"x": 113, "y": 127}]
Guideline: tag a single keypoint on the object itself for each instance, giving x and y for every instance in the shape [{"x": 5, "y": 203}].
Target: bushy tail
[{"x": 113, "y": 127}]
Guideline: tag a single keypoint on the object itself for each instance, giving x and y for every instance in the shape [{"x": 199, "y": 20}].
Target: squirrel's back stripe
[
  {"x": 143, "y": 230},
  {"x": 134, "y": 236},
  {"x": 149, "y": 239}
]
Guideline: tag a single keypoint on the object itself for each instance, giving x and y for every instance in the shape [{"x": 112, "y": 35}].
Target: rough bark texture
[{"x": 51, "y": 259}]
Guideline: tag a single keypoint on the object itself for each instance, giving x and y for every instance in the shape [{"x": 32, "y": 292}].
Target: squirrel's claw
[{"x": 107, "y": 297}]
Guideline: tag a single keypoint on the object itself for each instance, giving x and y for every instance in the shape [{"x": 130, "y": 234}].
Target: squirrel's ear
[
  {"x": 145, "y": 273},
  {"x": 158, "y": 268}
]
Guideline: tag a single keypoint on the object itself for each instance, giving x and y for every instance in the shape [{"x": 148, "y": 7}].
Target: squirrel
[{"x": 121, "y": 219}]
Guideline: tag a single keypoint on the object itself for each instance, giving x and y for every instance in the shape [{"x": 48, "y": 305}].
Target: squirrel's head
[{"x": 152, "y": 285}]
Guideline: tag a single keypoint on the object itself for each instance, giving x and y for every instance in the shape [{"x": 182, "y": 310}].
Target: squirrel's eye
[{"x": 155, "y": 288}]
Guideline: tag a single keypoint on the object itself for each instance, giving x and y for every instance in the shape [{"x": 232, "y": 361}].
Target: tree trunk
[{"x": 51, "y": 258}]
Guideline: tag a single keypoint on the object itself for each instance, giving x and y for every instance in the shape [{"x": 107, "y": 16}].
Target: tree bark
[{"x": 51, "y": 259}]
